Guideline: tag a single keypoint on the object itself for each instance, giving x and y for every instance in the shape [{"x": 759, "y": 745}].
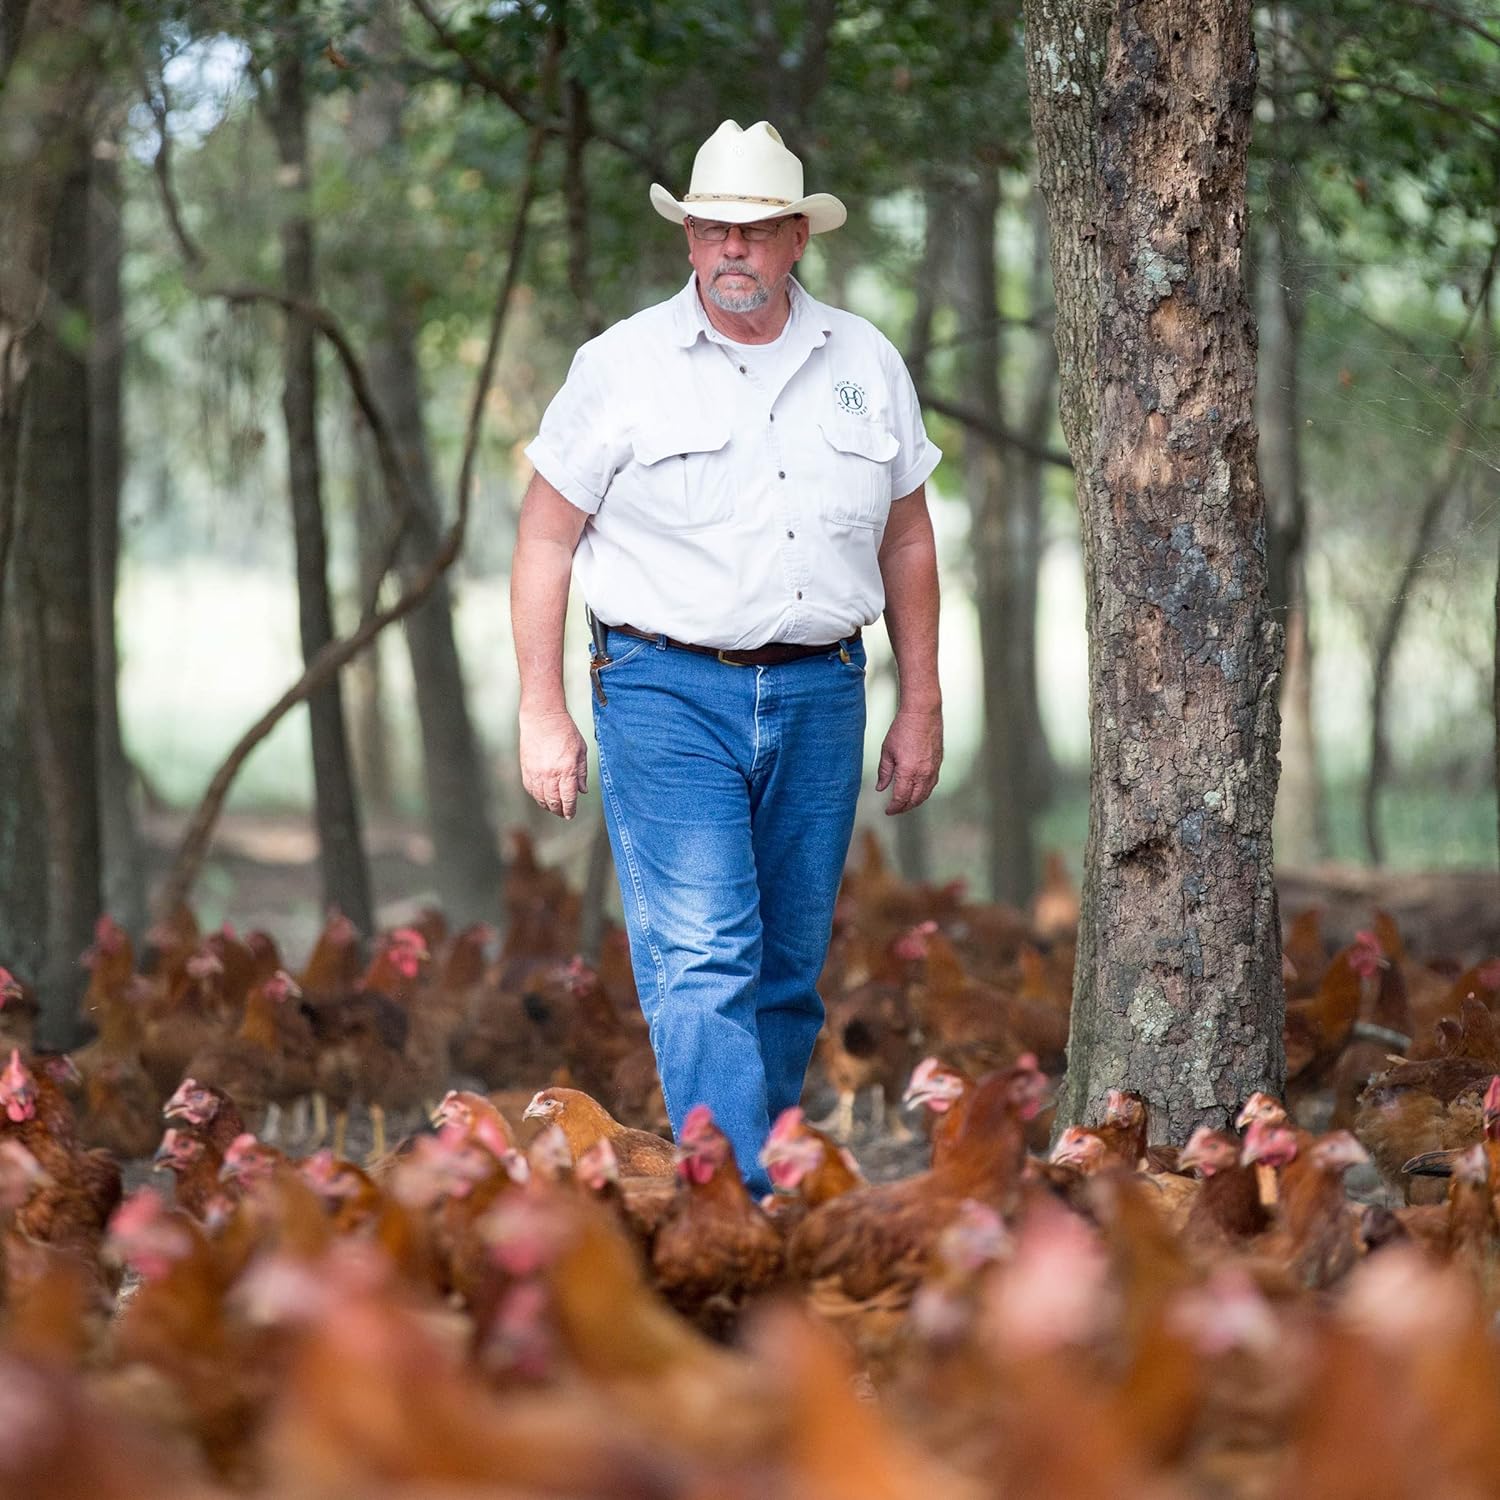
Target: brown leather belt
[{"x": 777, "y": 654}]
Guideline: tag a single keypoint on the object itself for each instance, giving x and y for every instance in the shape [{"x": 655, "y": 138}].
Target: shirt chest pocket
[
  {"x": 859, "y": 454},
  {"x": 683, "y": 474}
]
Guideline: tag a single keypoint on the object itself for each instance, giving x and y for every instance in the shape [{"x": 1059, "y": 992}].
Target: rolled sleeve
[{"x": 576, "y": 451}]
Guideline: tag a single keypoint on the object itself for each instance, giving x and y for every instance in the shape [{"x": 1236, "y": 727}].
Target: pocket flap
[
  {"x": 867, "y": 439},
  {"x": 652, "y": 444}
]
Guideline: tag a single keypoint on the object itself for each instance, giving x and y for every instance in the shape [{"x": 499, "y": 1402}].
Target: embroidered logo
[{"x": 851, "y": 398}]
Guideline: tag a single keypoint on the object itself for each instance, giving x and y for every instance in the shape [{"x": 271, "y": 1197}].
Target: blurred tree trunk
[
  {"x": 345, "y": 873},
  {"x": 913, "y": 847},
  {"x": 999, "y": 545},
  {"x": 1142, "y": 135},
  {"x": 1301, "y": 826},
  {"x": 369, "y": 725},
  {"x": 50, "y": 64},
  {"x": 466, "y": 854},
  {"x": 54, "y": 605},
  {"x": 124, "y": 883},
  {"x": 1030, "y": 470}
]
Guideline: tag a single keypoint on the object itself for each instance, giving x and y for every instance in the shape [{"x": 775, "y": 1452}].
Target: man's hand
[
  {"x": 910, "y": 758},
  {"x": 554, "y": 761}
]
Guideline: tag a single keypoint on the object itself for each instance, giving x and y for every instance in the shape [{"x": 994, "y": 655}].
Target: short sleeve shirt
[{"x": 735, "y": 501}]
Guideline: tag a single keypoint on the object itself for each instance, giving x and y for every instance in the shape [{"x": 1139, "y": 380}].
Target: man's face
[{"x": 741, "y": 276}]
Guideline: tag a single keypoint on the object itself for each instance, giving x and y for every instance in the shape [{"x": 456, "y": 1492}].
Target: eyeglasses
[{"x": 753, "y": 234}]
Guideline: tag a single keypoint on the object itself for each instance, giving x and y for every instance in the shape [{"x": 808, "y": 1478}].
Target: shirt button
[
  {"x": 799, "y": 593},
  {"x": 791, "y": 535},
  {"x": 742, "y": 369},
  {"x": 781, "y": 473},
  {"x": 773, "y": 416}
]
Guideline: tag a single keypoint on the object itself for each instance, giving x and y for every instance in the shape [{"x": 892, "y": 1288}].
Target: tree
[
  {"x": 51, "y": 60},
  {"x": 466, "y": 856},
  {"x": 346, "y": 875},
  {"x": 1142, "y": 125}
]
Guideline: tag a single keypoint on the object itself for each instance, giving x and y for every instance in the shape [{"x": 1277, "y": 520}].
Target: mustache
[{"x": 737, "y": 268}]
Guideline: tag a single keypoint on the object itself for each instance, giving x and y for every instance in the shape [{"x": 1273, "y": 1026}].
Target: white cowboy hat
[{"x": 740, "y": 176}]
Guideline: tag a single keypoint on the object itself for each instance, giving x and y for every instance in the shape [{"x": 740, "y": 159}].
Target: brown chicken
[
  {"x": 1419, "y": 1107},
  {"x": 1314, "y": 1237},
  {"x": 1227, "y": 1210},
  {"x": 82, "y": 1188},
  {"x": 178, "y": 1324},
  {"x": 868, "y": 1042},
  {"x": 716, "y": 1248},
  {"x": 800, "y": 1159},
  {"x": 585, "y": 1122},
  {"x": 874, "y": 1242}
]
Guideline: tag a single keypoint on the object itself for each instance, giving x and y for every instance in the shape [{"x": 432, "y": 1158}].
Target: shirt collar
[{"x": 692, "y": 322}]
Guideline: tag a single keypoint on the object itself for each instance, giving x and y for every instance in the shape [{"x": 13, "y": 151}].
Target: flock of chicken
[{"x": 528, "y": 1293}]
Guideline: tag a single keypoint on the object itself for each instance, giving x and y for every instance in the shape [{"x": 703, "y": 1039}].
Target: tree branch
[
  {"x": 195, "y": 840},
  {"x": 492, "y": 83},
  {"x": 1002, "y": 437}
]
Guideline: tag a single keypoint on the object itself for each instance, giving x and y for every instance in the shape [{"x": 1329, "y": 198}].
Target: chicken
[
  {"x": 716, "y": 1248},
  {"x": 207, "y": 1111},
  {"x": 585, "y": 1122},
  {"x": 1054, "y": 907},
  {"x": 869, "y": 1042},
  {"x": 195, "y": 1163},
  {"x": 1314, "y": 1236},
  {"x": 83, "y": 1186},
  {"x": 480, "y": 1119},
  {"x": 1227, "y": 1210},
  {"x": 1419, "y": 1107},
  {"x": 975, "y": 1023},
  {"x": 874, "y": 1242},
  {"x": 1316, "y": 1029},
  {"x": 800, "y": 1159},
  {"x": 268, "y": 1059},
  {"x": 18, "y": 1011},
  {"x": 122, "y": 1108}
]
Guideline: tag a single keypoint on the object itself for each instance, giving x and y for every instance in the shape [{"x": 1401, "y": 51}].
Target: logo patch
[{"x": 851, "y": 398}]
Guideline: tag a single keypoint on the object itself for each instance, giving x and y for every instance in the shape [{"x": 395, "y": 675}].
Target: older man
[{"x": 738, "y": 473}]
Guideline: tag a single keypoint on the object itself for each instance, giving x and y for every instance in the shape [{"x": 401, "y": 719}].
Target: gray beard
[{"x": 739, "y": 302}]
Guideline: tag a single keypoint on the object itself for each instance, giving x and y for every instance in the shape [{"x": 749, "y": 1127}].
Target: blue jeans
[{"x": 729, "y": 793}]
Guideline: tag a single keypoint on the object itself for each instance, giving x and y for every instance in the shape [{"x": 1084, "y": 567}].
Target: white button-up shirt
[{"x": 722, "y": 511}]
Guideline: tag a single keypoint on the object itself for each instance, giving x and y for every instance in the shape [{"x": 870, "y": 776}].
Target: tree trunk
[
  {"x": 369, "y": 725},
  {"x": 55, "y": 609},
  {"x": 124, "y": 881},
  {"x": 466, "y": 853},
  {"x": 48, "y": 73},
  {"x": 998, "y": 545},
  {"x": 1178, "y": 981},
  {"x": 1030, "y": 469},
  {"x": 1301, "y": 827},
  {"x": 345, "y": 874},
  {"x": 913, "y": 851}
]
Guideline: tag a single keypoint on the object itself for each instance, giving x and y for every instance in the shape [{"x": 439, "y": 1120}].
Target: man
[{"x": 739, "y": 472}]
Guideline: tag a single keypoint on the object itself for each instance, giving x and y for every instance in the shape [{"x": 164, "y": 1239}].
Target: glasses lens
[{"x": 751, "y": 233}]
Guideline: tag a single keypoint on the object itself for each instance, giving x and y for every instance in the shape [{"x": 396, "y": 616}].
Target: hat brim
[{"x": 823, "y": 210}]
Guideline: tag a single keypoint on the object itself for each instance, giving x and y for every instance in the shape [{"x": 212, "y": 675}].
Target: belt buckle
[{"x": 727, "y": 661}]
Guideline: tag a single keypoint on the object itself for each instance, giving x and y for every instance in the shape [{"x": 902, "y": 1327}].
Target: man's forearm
[
  {"x": 909, "y": 571},
  {"x": 541, "y": 571}
]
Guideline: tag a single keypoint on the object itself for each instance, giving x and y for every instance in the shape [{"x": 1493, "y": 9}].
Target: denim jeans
[{"x": 729, "y": 793}]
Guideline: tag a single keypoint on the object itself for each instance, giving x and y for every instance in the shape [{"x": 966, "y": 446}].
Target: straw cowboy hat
[{"x": 740, "y": 176}]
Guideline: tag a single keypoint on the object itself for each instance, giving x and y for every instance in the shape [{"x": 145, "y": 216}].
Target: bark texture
[
  {"x": 1178, "y": 983},
  {"x": 345, "y": 872}
]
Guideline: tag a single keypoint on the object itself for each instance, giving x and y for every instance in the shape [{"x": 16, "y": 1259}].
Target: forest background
[{"x": 249, "y": 178}]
